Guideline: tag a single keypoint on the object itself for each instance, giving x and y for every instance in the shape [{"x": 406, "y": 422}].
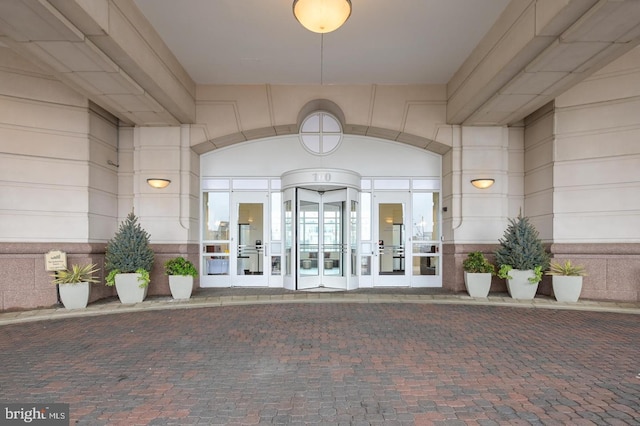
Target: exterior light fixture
[
  {"x": 158, "y": 183},
  {"x": 322, "y": 16},
  {"x": 482, "y": 183}
]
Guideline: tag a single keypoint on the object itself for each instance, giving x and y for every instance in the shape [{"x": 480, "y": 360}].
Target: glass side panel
[
  {"x": 426, "y": 265},
  {"x": 209, "y": 184},
  {"x": 365, "y": 216},
  {"x": 275, "y": 265},
  {"x": 365, "y": 265},
  {"x": 391, "y": 184},
  {"x": 426, "y": 184},
  {"x": 217, "y": 265},
  {"x": 309, "y": 242},
  {"x": 288, "y": 235},
  {"x": 332, "y": 239},
  {"x": 251, "y": 184},
  {"x": 216, "y": 216},
  {"x": 425, "y": 216},
  {"x": 276, "y": 216},
  {"x": 425, "y": 233},
  {"x": 353, "y": 234},
  {"x": 216, "y": 248}
]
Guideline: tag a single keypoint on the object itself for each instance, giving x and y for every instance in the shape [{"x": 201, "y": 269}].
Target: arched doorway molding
[
  {"x": 331, "y": 107},
  {"x": 348, "y": 129}
]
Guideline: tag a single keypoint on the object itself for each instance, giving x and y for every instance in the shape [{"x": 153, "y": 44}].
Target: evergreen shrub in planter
[
  {"x": 521, "y": 258},
  {"x": 129, "y": 259}
]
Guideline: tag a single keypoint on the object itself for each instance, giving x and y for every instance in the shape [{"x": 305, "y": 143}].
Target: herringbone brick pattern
[{"x": 331, "y": 363}]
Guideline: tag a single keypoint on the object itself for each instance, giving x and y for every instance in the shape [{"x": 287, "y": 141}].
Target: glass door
[
  {"x": 322, "y": 233},
  {"x": 248, "y": 230},
  {"x": 290, "y": 254},
  {"x": 390, "y": 219}
]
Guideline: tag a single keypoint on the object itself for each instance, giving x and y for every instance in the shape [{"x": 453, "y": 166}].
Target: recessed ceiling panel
[{"x": 382, "y": 42}]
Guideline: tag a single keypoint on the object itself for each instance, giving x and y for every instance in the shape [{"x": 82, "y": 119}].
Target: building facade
[{"x": 318, "y": 186}]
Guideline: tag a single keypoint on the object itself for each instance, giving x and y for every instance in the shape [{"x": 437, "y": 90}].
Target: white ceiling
[{"x": 383, "y": 42}]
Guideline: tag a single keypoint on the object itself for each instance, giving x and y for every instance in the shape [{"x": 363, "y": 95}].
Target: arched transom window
[{"x": 321, "y": 133}]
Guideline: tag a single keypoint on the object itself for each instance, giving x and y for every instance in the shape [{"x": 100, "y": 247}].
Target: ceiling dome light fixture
[
  {"x": 322, "y": 16},
  {"x": 483, "y": 183},
  {"x": 158, "y": 183}
]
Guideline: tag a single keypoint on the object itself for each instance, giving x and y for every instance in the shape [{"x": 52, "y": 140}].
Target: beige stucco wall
[
  {"x": 538, "y": 170},
  {"x": 596, "y": 157},
  {"x": 478, "y": 215},
  {"x": 171, "y": 214},
  {"x": 56, "y": 183}
]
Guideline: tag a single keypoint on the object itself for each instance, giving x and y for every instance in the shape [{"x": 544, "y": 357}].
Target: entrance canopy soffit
[{"x": 534, "y": 52}]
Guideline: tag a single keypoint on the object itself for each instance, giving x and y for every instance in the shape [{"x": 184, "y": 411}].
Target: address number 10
[{"x": 321, "y": 177}]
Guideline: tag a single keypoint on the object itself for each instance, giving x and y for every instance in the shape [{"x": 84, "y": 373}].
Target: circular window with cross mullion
[{"x": 320, "y": 133}]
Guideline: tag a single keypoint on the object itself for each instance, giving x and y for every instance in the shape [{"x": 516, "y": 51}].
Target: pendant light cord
[{"x": 321, "y": 59}]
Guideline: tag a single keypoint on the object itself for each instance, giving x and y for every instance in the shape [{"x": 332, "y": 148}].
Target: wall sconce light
[
  {"x": 322, "y": 16},
  {"x": 482, "y": 183},
  {"x": 158, "y": 183}
]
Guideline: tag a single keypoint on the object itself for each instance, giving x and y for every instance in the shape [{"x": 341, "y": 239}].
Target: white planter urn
[
  {"x": 181, "y": 286},
  {"x": 519, "y": 286},
  {"x": 566, "y": 288},
  {"x": 75, "y": 295},
  {"x": 477, "y": 284},
  {"x": 128, "y": 288}
]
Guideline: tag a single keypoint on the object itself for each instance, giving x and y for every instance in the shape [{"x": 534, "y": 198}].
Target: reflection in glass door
[
  {"x": 321, "y": 239},
  {"x": 248, "y": 234},
  {"x": 425, "y": 239},
  {"x": 391, "y": 217}
]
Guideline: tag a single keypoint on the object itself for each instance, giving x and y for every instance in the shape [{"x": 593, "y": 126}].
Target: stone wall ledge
[
  {"x": 25, "y": 249},
  {"x": 18, "y": 248},
  {"x": 600, "y": 250}
]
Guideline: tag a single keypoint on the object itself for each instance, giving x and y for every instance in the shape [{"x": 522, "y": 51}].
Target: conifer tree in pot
[
  {"x": 521, "y": 258},
  {"x": 129, "y": 259}
]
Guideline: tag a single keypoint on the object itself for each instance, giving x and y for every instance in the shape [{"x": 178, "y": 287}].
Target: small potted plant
[
  {"x": 181, "y": 273},
  {"x": 521, "y": 258},
  {"x": 477, "y": 274},
  {"x": 74, "y": 285},
  {"x": 129, "y": 258},
  {"x": 566, "y": 279}
]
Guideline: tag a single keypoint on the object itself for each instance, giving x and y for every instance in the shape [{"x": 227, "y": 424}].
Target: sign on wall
[{"x": 55, "y": 260}]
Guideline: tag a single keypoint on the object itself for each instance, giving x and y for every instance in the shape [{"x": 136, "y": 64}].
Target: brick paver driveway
[{"x": 331, "y": 363}]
